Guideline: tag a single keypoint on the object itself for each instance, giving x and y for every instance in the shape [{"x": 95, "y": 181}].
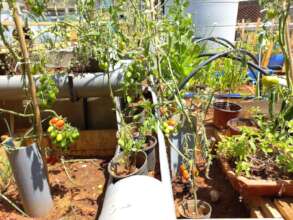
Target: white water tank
[{"x": 213, "y": 18}]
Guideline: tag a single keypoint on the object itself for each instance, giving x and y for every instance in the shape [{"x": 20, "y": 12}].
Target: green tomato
[
  {"x": 167, "y": 130},
  {"x": 128, "y": 74},
  {"x": 75, "y": 135},
  {"x": 270, "y": 81},
  {"x": 122, "y": 45},
  {"x": 104, "y": 66},
  {"x": 59, "y": 137},
  {"x": 165, "y": 125},
  {"x": 50, "y": 129},
  {"x": 53, "y": 134},
  {"x": 63, "y": 143},
  {"x": 52, "y": 95}
]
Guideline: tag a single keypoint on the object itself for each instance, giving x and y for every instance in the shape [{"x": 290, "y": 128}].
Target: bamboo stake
[
  {"x": 27, "y": 72},
  {"x": 289, "y": 49},
  {"x": 242, "y": 35},
  {"x": 254, "y": 39},
  {"x": 32, "y": 86}
]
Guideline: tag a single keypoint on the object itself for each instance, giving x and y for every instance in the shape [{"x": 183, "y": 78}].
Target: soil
[
  {"x": 80, "y": 199},
  {"x": 189, "y": 211},
  {"x": 216, "y": 190},
  {"x": 265, "y": 167},
  {"x": 121, "y": 170}
]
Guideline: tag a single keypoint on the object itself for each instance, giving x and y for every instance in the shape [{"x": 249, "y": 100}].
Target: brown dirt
[
  {"x": 121, "y": 170},
  {"x": 228, "y": 205},
  {"x": 79, "y": 200}
]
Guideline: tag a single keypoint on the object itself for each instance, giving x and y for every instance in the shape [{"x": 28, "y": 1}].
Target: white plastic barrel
[
  {"x": 213, "y": 18},
  {"x": 137, "y": 198}
]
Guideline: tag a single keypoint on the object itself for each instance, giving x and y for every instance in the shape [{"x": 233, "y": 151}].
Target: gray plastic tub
[{"x": 31, "y": 180}]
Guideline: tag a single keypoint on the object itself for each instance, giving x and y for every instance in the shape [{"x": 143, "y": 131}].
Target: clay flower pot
[
  {"x": 234, "y": 125},
  {"x": 223, "y": 112},
  {"x": 259, "y": 187}
]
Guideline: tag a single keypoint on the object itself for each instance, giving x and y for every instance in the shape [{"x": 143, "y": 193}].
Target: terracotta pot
[
  {"x": 235, "y": 123},
  {"x": 223, "y": 112},
  {"x": 260, "y": 187}
]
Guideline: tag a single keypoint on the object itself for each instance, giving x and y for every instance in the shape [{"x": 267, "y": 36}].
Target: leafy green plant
[
  {"x": 254, "y": 147},
  {"x": 5, "y": 174},
  {"x": 130, "y": 144},
  {"x": 47, "y": 91},
  {"x": 223, "y": 75}
]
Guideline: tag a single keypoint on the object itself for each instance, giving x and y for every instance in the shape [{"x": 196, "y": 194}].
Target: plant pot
[
  {"x": 151, "y": 152},
  {"x": 259, "y": 187},
  {"x": 141, "y": 165},
  {"x": 135, "y": 115},
  {"x": 223, "y": 112},
  {"x": 31, "y": 180},
  {"x": 187, "y": 207},
  {"x": 235, "y": 123}
]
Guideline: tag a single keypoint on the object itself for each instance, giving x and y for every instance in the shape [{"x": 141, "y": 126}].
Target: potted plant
[
  {"x": 191, "y": 207},
  {"x": 147, "y": 130},
  {"x": 234, "y": 125},
  {"x": 231, "y": 76},
  {"x": 259, "y": 161},
  {"x": 131, "y": 160}
]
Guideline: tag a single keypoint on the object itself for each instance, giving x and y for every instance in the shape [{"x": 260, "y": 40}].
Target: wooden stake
[
  {"x": 289, "y": 49},
  {"x": 242, "y": 29},
  {"x": 27, "y": 72}
]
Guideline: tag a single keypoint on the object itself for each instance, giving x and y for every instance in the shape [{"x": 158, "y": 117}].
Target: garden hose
[{"x": 222, "y": 41}]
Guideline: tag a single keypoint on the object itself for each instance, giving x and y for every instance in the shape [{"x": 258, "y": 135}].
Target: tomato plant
[{"x": 61, "y": 133}]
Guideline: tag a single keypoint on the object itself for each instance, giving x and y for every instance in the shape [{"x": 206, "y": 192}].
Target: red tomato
[
  {"x": 59, "y": 124},
  {"x": 53, "y": 121}
]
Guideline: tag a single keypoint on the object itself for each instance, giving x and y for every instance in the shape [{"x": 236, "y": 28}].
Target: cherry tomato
[
  {"x": 53, "y": 121},
  {"x": 185, "y": 175},
  {"x": 182, "y": 168},
  {"x": 171, "y": 122},
  {"x": 50, "y": 129},
  {"x": 59, "y": 137},
  {"x": 59, "y": 124}
]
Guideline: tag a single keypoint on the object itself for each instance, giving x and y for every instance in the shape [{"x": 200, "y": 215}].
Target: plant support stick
[{"x": 32, "y": 86}]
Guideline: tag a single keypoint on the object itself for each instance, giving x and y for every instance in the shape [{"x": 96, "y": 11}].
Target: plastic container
[
  {"x": 223, "y": 112},
  {"x": 141, "y": 164},
  {"x": 216, "y": 18},
  {"x": 190, "y": 205},
  {"x": 31, "y": 180},
  {"x": 151, "y": 153}
]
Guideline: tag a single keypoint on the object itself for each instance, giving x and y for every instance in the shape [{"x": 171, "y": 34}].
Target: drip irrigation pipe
[
  {"x": 214, "y": 57},
  {"x": 222, "y": 41}
]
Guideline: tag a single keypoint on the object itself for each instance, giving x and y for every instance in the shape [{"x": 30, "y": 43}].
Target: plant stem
[
  {"x": 16, "y": 113},
  {"x": 13, "y": 205},
  {"x": 289, "y": 50}
]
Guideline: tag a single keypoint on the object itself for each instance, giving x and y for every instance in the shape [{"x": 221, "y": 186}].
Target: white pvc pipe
[{"x": 84, "y": 84}]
